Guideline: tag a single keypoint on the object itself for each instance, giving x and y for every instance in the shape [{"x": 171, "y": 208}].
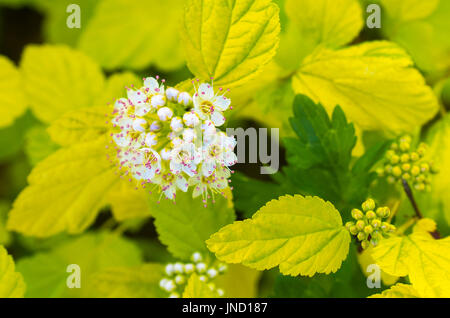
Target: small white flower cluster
[
  {"x": 178, "y": 274},
  {"x": 170, "y": 139}
]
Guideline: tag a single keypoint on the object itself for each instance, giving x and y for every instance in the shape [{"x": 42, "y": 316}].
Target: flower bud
[
  {"x": 365, "y": 244},
  {"x": 404, "y": 158},
  {"x": 397, "y": 171},
  {"x": 178, "y": 268},
  {"x": 376, "y": 223},
  {"x": 354, "y": 230},
  {"x": 357, "y": 214},
  {"x": 394, "y": 159},
  {"x": 176, "y": 124},
  {"x": 368, "y": 229},
  {"x": 360, "y": 225},
  {"x": 157, "y": 101},
  {"x": 369, "y": 204},
  {"x": 169, "y": 269},
  {"x": 201, "y": 267},
  {"x": 172, "y": 94},
  {"x": 179, "y": 279},
  {"x": 361, "y": 236},
  {"x": 211, "y": 272},
  {"x": 191, "y": 119},
  {"x": 151, "y": 139},
  {"x": 189, "y": 268},
  {"x": 139, "y": 124},
  {"x": 370, "y": 215},
  {"x": 184, "y": 99},
  {"x": 165, "y": 113},
  {"x": 197, "y": 257}
]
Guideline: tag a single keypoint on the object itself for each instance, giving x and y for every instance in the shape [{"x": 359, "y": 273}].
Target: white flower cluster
[
  {"x": 178, "y": 274},
  {"x": 170, "y": 139}
]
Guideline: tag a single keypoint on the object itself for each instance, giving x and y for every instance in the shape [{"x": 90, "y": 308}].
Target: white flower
[
  {"x": 152, "y": 86},
  {"x": 212, "y": 272},
  {"x": 209, "y": 105},
  {"x": 176, "y": 124},
  {"x": 196, "y": 257},
  {"x": 169, "y": 269},
  {"x": 170, "y": 182},
  {"x": 165, "y": 113},
  {"x": 215, "y": 183},
  {"x": 191, "y": 119},
  {"x": 172, "y": 94},
  {"x": 184, "y": 158},
  {"x": 217, "y": 152},
  {"x": 184, "y": 99},
  {"x": 146, "y": 163},
  {"x": 165, "y": 154}
]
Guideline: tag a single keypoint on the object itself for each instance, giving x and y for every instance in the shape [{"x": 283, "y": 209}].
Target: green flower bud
[
  {"x": 348, "y": 225},
  {"x": 404, "y": 158},
  {"x": 419, "y": 186},
  {"x": 406, "y": 167},
  {"x": 369, "y": 204},
  {"x": 404, "y": 146},
  {"x": 406, "y": 176},
  {"x": 370, "y": 215},
  {"x": 394, "y": 146},
  {"x": 376, "y": 235},
  {"x": 374, "y": 242},
  {"x": 365, "y": 244},
  {"x": 380, "y": 172},
  {"x": 415, "y": 171},
  {"x": 391, "y": 179},
  {"x": 397, "y": 171},
  {"x": 425, "y": 167},
  {"x": 353, "y": 230},
  {"x": 361, "y": 236},
  {"x": 376, "y": 223},
  {"x": 415, "y": 156},
  {"x": 360, "y": 225},
  {"x": 357, "y": 214},
  {"x": 394, "y": 159},
  {"x": 390, "y": 153},
  {"x": 368, "y": 229}
]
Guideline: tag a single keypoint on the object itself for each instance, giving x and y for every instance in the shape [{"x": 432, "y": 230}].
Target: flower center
[{"x": 206, "y": 107}]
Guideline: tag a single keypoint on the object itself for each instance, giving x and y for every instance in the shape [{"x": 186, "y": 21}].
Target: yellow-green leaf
[
  {"x": 421, "y": 257},
  {"x": 373, "y": 82},
  {"x": 46, "y": 273},
  {"x": 230, "y": 40},
  {"x": 65, "y": 191},
  {"x": 135, "y": 34},
  {"x": 128, "y": 202},
  {"x": 115, "y": 87},
  {"x": 186, "y": 225},
  {"x": 303, "y": 235},
  {"x": 196, "y": 288},
  {"x": 80, "y": 125},
  {"x": 38, "y": 144},
  {"x": 57, "y": 79},
  {"x": 324, "y": 22},
  {"x": 398, "y": 291},
  {"x": 11, "y": 282},
  {"x": 12, "y": 99},
  {"x": 129, "y": 282},
  {"x": 405, "y": 10}
]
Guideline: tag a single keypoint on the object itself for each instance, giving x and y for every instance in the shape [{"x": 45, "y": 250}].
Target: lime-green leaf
[
  {"x": 325, "y": 22},
  {"x": 421, "y": 27},
  {"x": 421, "y": 257},
  {"x": 374, "y": 84},
  {"x": 185, "y": 226},
  {"x": 128, "y": 202},
  {"x": 438, "y": 139},
  {"x": 46, "y": 273},
  {"x": 196, "y": 288},
  {"x": 398, "y": 291},
  {"x": 80, "y": 125},
  {"x": 129, "y": 282},
  {"x": 303, "y": 235},
  {"x": 12, "y": 99},
  {"x": 65, "y": 191},
  {"x": 230, "y": 40},
  {"x": 11, "y": 282},
  {"x": 135, "y": 34},
  {"x": 58, "y": 79},
  {"x": 38, "y": 144},
  {"x": 115, "y": 87}
]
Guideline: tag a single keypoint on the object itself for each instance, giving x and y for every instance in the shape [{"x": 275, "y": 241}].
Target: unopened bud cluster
[
  {"x": 170, "y": 139},
  {"x": 403, "y": 163},
  {"x": 177, "y": 275},
  {"x": 369, "y": 226}
]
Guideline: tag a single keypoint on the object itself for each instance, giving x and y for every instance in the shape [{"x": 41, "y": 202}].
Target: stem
[
  {"x": 409, "y": 193},
  {"x": 410, "y": 196}
]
